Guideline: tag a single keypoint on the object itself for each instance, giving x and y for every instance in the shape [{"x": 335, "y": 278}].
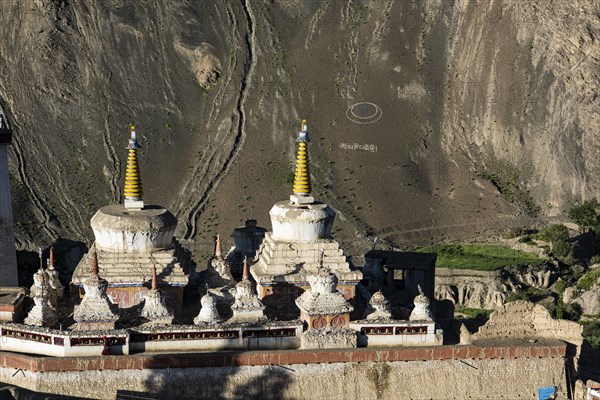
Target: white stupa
[
  {"x": 301, "y": 233},
  {"x": 130, "y": 239}
]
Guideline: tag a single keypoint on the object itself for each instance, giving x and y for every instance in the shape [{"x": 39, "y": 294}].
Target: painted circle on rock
[
  {"x": 364, "y": 113},
  {"x": 319, "y": 323},
  {"x": 338, "y": 321}
]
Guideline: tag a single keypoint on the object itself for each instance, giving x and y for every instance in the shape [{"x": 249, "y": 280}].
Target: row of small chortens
[
  {"x": 323, "y": 308},
  {"x": 98, "y": 311}
]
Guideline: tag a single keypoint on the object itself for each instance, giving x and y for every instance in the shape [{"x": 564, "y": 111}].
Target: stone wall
[
  {"x": 523, "y": 319},
  {"x": 449, "y": 372}
]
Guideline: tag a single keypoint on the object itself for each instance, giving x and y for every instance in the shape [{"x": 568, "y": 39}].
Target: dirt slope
[{"x": 470, "y": 116}]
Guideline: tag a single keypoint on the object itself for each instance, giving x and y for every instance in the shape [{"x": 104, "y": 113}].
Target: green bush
[
  {"x": 595, "y": 260},
  {"x": 562, "y": 249},
  {"x": 585, "y": 214},
  {"x": 472, "y": 312},
  {"x": 588, "y": 280},
  {"x": 530, "y": 294},
  {"x": 560, "y": 286},
  {"x": 564, "y": 311},
  {"x": 553, "y": 233},
  {"x": 572, "y": 312},
  {"x": 591, "y": 333},
  {"x": 520, "y": 231}
]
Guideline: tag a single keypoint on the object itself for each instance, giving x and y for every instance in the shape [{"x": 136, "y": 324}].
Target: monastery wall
[{"x": 506, "y": 371}]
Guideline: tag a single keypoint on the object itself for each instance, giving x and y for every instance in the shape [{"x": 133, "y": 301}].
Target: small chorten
[
  {"x": 56, "y": 288},
  {"x": 323, "y": 305},
  {"x": 326, "y": 314},
  {"x": 133, "y": 183},
  {"x": 155, "y": 308},
  {"x": 208, "y": 313},
  {"x": 218, "y": 273},
  {"x": 42, "y": 313},
  {"x": 378, "y": 307},
  {"x": 96, "y": 311},
  {"x": 247, "y": 307},
  {"x": 422, "y": 310}
]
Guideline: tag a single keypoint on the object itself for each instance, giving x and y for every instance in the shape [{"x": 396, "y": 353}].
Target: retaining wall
[{"x": 500, "y": 371}]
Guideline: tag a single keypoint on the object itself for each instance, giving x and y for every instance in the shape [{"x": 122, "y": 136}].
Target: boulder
[
  {"x": 589, "y": 302},
  {"x": 570, "y": 294}
]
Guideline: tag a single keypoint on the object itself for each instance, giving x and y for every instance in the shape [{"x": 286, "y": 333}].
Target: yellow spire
[
  {"x": 302, "y": 172},
  {"x": 133, "y": 182}
]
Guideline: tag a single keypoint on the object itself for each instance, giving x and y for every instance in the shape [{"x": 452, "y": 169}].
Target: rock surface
[
  {"x": 589, "y": 301},
  {"x": 463, "y": 96},
  {"x": 469, "y": 288}
]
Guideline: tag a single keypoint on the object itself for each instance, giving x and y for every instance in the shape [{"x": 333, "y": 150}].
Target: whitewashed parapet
[
  {"x": 51, "y": 342},
  {"x": 396, "y": 333}
]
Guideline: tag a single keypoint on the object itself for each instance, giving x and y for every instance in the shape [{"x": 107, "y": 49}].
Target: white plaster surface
[
  {"x": 117, "y": 228},
  {"x": 301, "y": 223}
]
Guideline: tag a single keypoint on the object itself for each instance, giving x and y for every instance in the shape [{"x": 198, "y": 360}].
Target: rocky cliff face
[
  {"x": 470, "y": 115},
  {"x": 490, "y": 289}
]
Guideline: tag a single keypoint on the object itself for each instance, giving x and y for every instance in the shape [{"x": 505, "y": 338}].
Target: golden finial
[
  {"x": 133, "y": 182},
  {"x": 302, "y": 172}
]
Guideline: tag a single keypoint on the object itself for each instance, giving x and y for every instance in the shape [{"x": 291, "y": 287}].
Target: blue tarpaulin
[{"x": 546, "y": 393}]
